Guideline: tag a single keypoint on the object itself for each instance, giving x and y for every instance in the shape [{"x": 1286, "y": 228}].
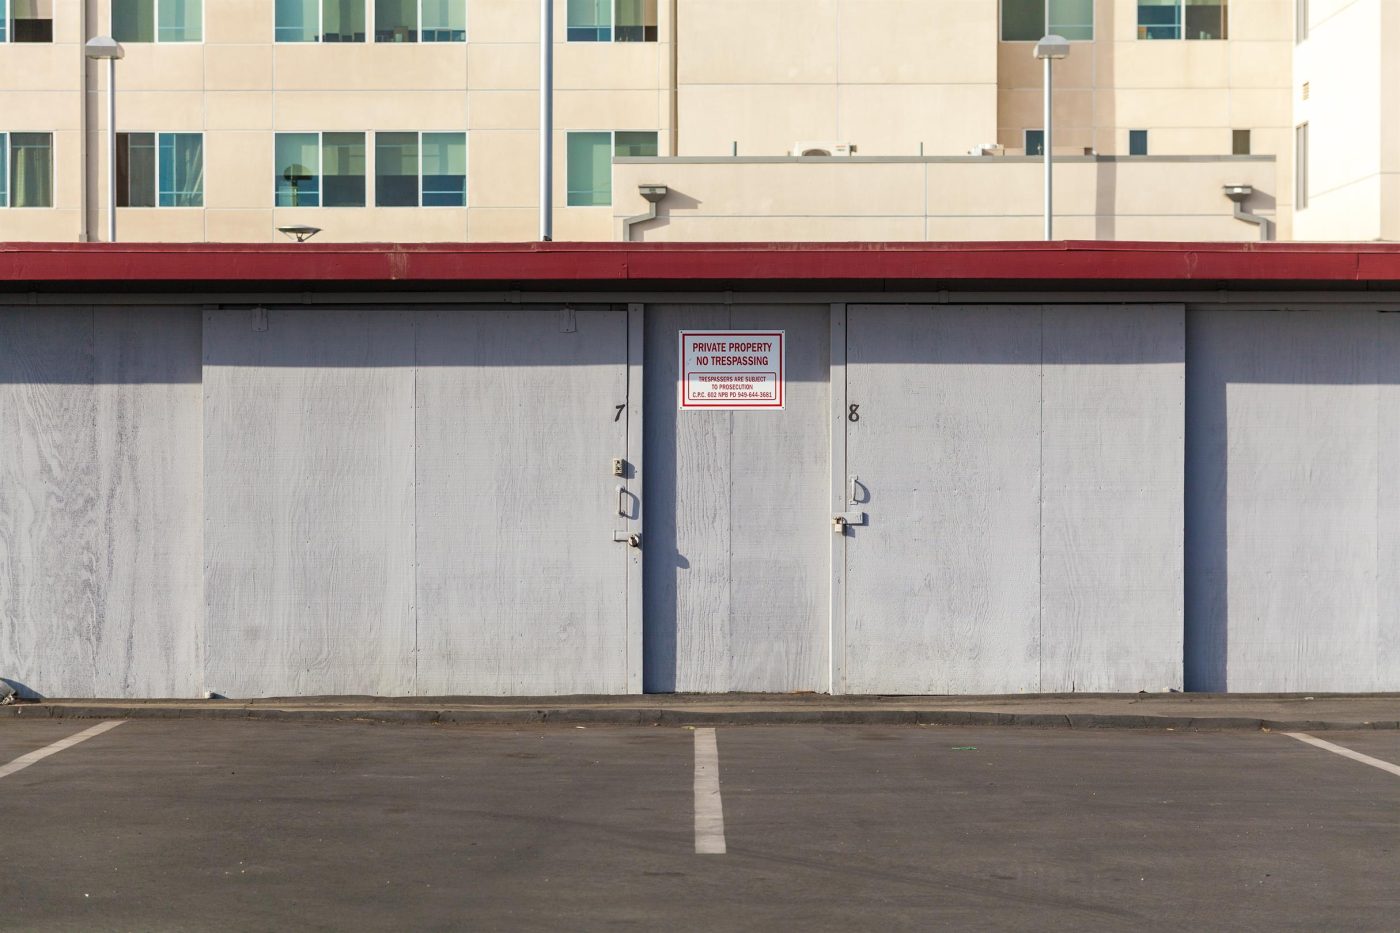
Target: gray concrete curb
[{"x": 674, "y": 717}]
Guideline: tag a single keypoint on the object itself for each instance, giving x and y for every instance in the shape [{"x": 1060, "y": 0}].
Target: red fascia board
[{"x": 692, "y": 262}]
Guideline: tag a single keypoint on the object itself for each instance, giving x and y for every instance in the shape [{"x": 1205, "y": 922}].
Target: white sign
[{"x": 731, "y": 370}]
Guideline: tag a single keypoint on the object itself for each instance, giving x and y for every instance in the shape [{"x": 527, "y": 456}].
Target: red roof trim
[{"x": 675, "y": 262}]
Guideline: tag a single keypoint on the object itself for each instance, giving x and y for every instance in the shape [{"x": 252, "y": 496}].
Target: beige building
[{"x": 418, "y": 120}]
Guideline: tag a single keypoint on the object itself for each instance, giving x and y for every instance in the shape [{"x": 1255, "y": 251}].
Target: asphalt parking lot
[{"x": 204, "y": 825}]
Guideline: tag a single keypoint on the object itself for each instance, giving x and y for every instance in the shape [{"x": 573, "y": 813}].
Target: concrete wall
[{"x": 967, "y": 198}]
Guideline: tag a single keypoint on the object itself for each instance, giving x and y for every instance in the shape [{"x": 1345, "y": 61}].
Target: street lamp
[
  {"x": 105, "y": 47},
  {"x": 1047, "y": 50}
]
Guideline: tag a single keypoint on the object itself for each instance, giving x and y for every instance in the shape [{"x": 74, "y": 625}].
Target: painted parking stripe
[
  {"x": 709, "y": 809},
  {"x": 1345, "y": 752},
  {"x": 24, "y": 761}
]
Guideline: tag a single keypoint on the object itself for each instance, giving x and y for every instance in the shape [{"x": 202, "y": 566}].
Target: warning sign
[{"x": 731, "y": 369}]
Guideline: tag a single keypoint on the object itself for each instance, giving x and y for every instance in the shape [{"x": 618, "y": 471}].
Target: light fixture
[
  {"x": 1052, "y": 47},
  {"x": 1049, "y": 49},
  {"x": 299, "y": 232}
]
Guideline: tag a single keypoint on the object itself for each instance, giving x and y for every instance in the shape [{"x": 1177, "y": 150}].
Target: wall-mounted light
[{"x": 299, "y": 232}]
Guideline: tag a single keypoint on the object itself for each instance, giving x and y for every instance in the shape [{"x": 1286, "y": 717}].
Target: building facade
[{"x": 418, "y": 120}]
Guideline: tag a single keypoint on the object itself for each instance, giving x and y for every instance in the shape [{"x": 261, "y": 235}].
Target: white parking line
[
  {"x": 1345, "y": 752},
  {"x": 39, "y": 754},
  {"x": 709, "y": 809}
]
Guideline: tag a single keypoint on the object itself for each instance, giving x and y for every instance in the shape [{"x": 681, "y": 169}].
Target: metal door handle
[{"x": 622, "y": 500}]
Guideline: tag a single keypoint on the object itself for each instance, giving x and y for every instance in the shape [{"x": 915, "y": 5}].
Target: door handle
[{"x": 622, "y": 500}]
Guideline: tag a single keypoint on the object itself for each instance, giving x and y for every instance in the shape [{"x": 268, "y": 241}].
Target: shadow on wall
[
  {"x": 1286, "y": 530},
  {"x": 674, "y": 201},
  {"x": 1106, "y": 201}
]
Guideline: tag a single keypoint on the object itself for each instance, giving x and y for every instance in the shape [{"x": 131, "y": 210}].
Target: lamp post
[
  {"x": 105, "y": 47},
  {"x": 546, "y": 120},
  {"x": 1047, "y": 50}
]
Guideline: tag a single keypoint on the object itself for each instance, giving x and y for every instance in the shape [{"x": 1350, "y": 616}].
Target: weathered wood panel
[
  {"x": 1112, "y": 449},
  {"x": 1285, "y": 410},
  {"x": 736, "y": 521},
  {"x": 1387, "y": 647},
  {"x": 521, "y": 589},
  {"x": 943, "y": 585},
  {"x": 49, "y": 521},
  {"x": 308, "y": 492},
  {"x": 149, "y": 571}
]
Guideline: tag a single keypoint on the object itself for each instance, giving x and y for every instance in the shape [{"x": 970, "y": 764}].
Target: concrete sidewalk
[{"x": 1291, "y": 712}]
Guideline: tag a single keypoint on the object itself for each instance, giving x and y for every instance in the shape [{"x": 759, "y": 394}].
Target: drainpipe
[
  {"x": 675, "y": 88},
  {"x": 546, "y": 120},
  {"x": 83, "y": 123},
  {"x": 653, "y": 194},
  {"x": 1239, "y": 194}
]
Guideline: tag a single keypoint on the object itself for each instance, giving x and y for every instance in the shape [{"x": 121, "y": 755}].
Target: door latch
[
  {"x": 629, "y": 538},
  {"x": 840, "y": 520}
]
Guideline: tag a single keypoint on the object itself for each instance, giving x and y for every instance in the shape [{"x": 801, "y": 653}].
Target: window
[
  {"x": 27, "y": 21},
  {"x": 26, "y": 170},
  {"x": 1035, "y": 142},
  {"x": 444, "y": 21},
  {"x": 611, "y": 21},
  {"x": 1137, "y": 142},
  {"x": 444, "y": 169},
  {"x": 1300, "y": 24},
  {"x": 1029, "y": 20},
  {"x": 1300, "y": 167},
  {"x": 420, "y": 169},
  {"x": 590, "y": 158},
  {"x": 320, "y": 169},
  {"x": 1181, "y": 19},
  {"x": 394, "y": 20},
  {"x": 160, "y": 170},
  {"x": 319, "y": 21},
  {"x": 1239, "y": 142},
  {"x": 157, "y": 20}
]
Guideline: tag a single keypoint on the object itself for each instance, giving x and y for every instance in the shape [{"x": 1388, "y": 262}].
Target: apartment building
[{"x": 418, "y": 120}]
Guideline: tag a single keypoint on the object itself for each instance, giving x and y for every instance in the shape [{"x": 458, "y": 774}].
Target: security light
[
  {"x": 299, "y": 232},
  {"x": 104, "y": 47},
  {"x": 1052, "y": 47}
]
